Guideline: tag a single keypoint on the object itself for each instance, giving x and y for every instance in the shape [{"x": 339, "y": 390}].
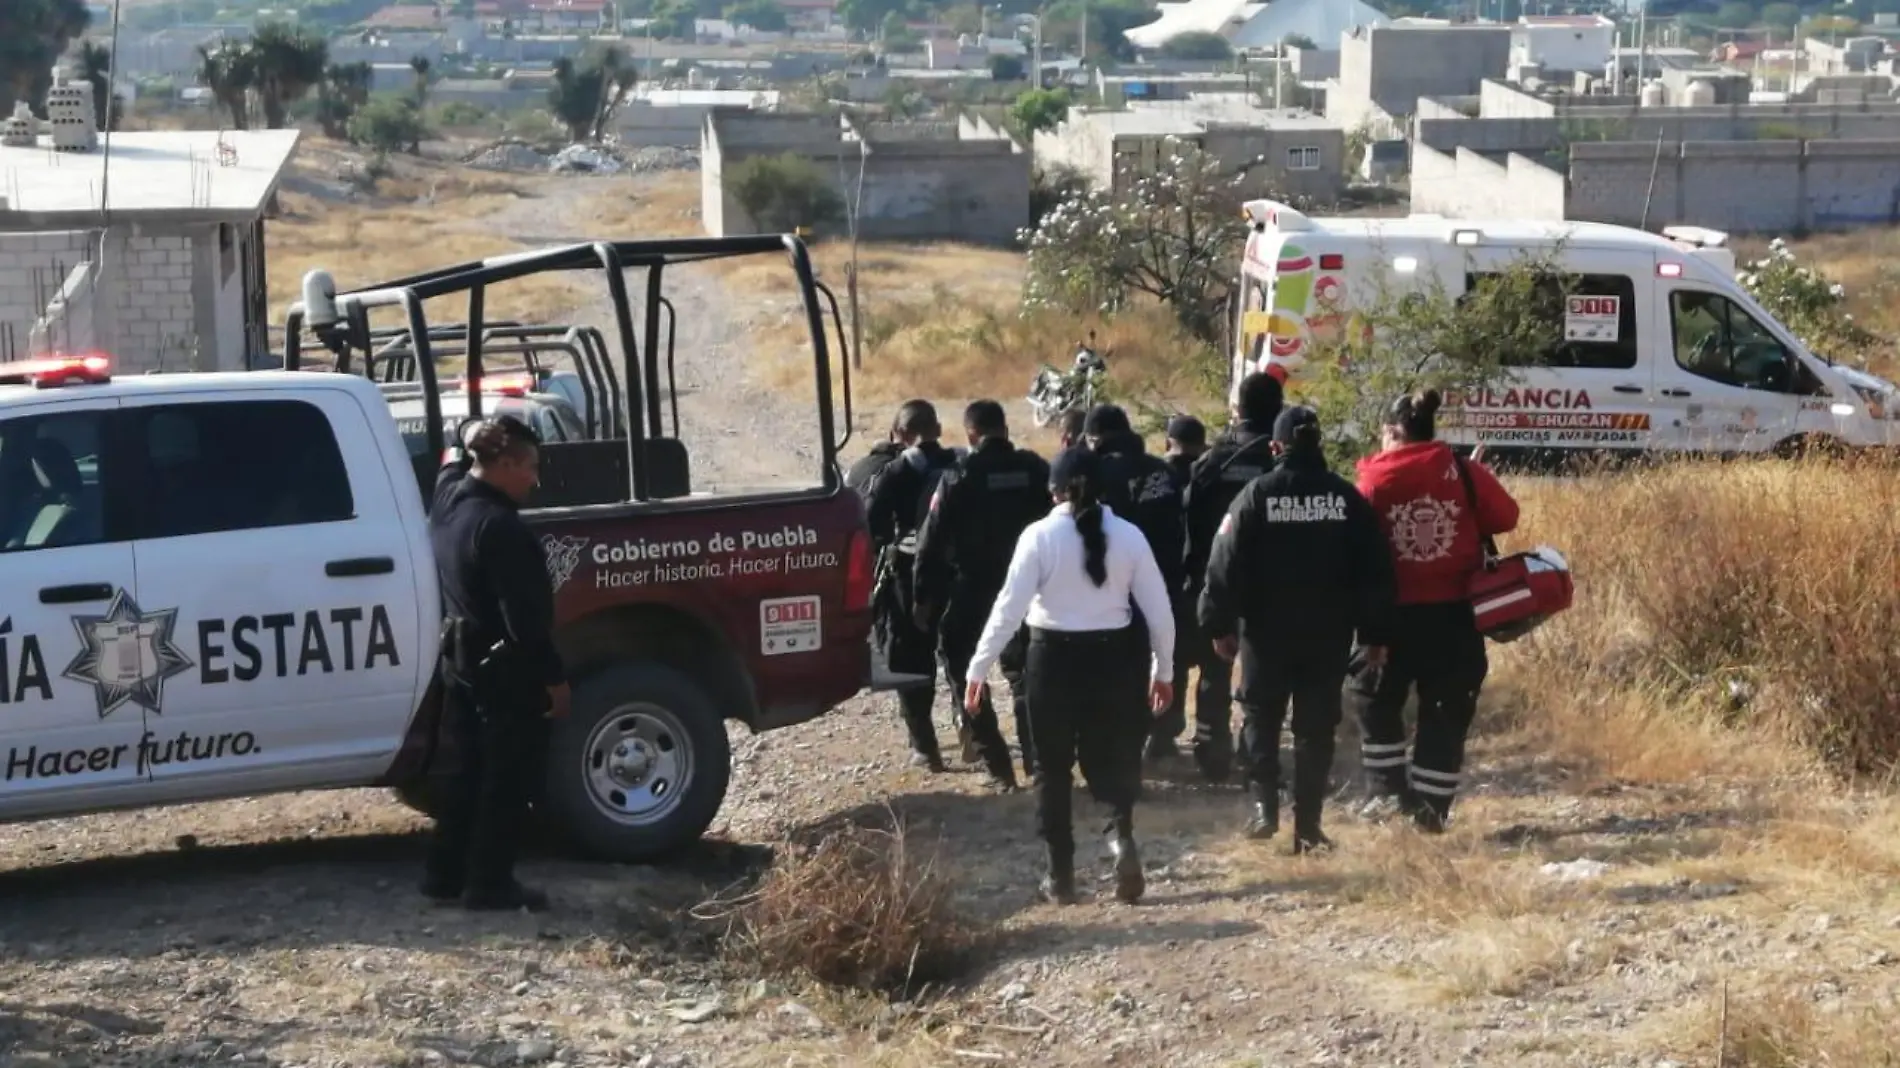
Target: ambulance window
[
  {"x": 1593, "y": 316},
  {"x": 238, "y": 465},
  {"x": 50, "y": 495},
  {"x": 1717, "y": 340}
]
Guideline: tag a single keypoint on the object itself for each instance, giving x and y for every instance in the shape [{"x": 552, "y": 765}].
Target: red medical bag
[{"x": 1514, "y": 595}]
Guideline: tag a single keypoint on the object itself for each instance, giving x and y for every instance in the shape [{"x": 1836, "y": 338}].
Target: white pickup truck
[{"x": 215, "y": 585}]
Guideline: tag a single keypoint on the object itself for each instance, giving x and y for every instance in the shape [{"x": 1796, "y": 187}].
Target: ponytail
[
  {"x": 1087, "y": 509},
  {"x": 1416, "y": 415}
]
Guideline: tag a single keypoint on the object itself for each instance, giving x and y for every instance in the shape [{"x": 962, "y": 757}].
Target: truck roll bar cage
[{"x": 340, "y": 322}]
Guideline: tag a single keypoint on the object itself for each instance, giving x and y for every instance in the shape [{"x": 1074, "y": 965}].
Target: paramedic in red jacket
[{"x": 1437, "y": 528}]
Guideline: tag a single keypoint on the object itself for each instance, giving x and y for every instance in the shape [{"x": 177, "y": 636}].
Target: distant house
[
  {"x": 1737, "y": 51},
  {"x": 171, "y": 277},
  {"x": 810, "y": 15},
  {"x": 405, "y": 17},
  {"x": 568, "y": 14}
]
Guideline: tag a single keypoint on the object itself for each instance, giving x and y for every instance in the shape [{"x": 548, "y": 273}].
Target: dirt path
[
  {"x": 726, "y": 411},
  {"x": 285, "y": 933}
]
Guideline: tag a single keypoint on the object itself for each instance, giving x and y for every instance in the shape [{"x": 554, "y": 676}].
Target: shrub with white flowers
[
  {"x": 1174, "y": 234},
  {"x": 1806, "y": 302}
]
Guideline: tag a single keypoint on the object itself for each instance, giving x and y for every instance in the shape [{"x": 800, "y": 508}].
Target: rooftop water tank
[
  {"x": 1651, "y": 95},
  {"x": 1699, "y": 94}
]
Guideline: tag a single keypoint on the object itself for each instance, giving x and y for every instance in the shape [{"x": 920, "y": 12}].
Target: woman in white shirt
[{"x": 1076, "y": 577}]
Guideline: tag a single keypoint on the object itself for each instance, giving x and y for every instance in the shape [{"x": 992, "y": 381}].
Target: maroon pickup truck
[{"x": 678, "y": 610}]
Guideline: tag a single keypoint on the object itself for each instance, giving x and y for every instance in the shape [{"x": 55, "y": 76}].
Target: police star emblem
[{"x": 126, "y": 655}]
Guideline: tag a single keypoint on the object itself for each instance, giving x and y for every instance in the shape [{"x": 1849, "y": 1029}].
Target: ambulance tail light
[
  {"x": 859, "y": 573},
  {"x": 53, "y": 371},
  {"x": 1332, "y": 261}
]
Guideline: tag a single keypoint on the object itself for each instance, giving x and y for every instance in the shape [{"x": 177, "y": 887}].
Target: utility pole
[{"x": 1642, "y": 46}]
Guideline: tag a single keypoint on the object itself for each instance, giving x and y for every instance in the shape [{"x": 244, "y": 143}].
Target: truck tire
[{"x": 639, "y": 768}]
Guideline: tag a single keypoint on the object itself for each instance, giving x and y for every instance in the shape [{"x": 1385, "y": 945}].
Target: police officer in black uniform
[
  {"x": 863, "y": 473},
  {"x": 963, "y": 553},
  {"x": 1240, "y": 455},
  {"x": 1145, "y": 490},
  {"x": 1299, "y": 566},
  {"x": 501, "y": 673},
  {"x": 898, "y": 493},
  {"x": 1187, "y": 440}
]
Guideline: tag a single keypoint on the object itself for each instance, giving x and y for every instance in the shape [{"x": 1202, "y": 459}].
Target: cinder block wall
[
  {"x": 1740, "y": 186},
  {"x": 157, "y": 319},
  {"x": 33, "y": 267}
]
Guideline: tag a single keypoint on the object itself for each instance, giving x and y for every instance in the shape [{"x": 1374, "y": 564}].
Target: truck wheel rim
[{"x": 638, "y": 763}]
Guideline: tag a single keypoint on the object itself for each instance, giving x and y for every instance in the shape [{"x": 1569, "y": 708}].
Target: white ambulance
[{"x": 1663, "y": 350}]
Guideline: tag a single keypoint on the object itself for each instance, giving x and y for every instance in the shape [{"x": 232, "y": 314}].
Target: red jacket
[{"x": 1436, "y": 534}]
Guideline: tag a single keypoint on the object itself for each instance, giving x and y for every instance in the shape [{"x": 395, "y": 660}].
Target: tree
[
  {"x": 388, "y": 124},
  {"x": 1783, "y": 16},
  {"x": 1007, "y": 69},
  {"x": 1806, "y": 302},
  {"x": 1390, "y": 337},
  {"x": 288, "y": 62},
  {"x": 674, "y": 20},
  {"x": 1297, "y": 40},
  {"x": 1106, "y": 20},
  {"x": 230, "y": 72},
  {"x": 585, "y": 93},
  {"x": 344, "y": 91},
  {"x": 897, "y": 35},
  {"x": 866, "y": 16},
  {"x": 33, "y": 35},
  {"x": 1735, "y": 15},
  {"x": 95, "y": 66},
  {"x": 1039, "y": 110},
  {"x": 1169, "y": 235},
  {"x": 766, "y": 15},
  {"x": 1197, "y": 44},
  {"x": 784, "y": 192},
  {"x": 420, "y": 65}
]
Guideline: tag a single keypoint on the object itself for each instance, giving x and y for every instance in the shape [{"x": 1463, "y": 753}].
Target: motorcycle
[{"x": 1054, "y": 392}]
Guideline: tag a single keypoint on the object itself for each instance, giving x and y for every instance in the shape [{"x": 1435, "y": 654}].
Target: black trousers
[
  {"x": 1437, "y": 651},
  {"x": 1307, "y": 678},
  {"x": 963, "y": 622},
  {"x": 1213, "y": 698},
  {"x": 502, "y": 747},
  {"x": 1088, "y": 705},
  {"x": 911, "y": 651}
]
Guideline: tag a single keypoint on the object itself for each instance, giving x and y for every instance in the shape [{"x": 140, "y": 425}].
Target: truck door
[
  {"x": 1724, "y": 381},
  {"x": 81, "y": 663},
  {"x": 269, "y": 525}
]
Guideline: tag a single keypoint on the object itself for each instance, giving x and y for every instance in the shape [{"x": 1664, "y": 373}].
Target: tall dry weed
[
  {"x": 1766, "y": 592},
  {"x": 866, "y": 907}
]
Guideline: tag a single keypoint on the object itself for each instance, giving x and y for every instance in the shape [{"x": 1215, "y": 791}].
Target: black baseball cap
[
  {"x": 1288, "y": 424},
  {"x": 1187, "y": 430},
  {"x": 1106, "y": 419}
]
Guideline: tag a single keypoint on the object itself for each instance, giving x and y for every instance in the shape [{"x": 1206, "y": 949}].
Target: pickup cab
[{"x": 222, "y": 584}]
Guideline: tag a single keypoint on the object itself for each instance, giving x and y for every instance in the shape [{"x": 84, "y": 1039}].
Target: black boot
[
  {"x": 1130, "y": 883},
  {"x": 1310, "y": 840},
  {"x": 1264, "y": 822},
  {"x": 511, "y": 897},
  {"x": 1430, "y": 812},
  {"x": 1312, "y": 766},
  {"x": 1058, "y": 886}
]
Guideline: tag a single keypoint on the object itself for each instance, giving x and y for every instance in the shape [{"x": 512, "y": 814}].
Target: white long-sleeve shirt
[{"x": 1049, "y": 586}]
